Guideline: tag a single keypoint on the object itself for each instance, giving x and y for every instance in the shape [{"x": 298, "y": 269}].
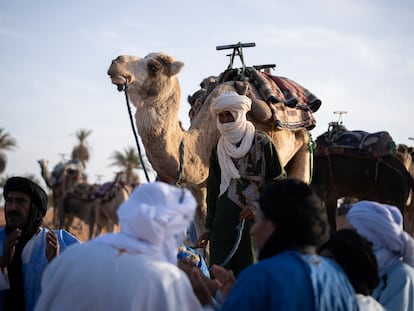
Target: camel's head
[
  {"x": 42, "y": 161},
  {"x": 147, "y": 76},
  {"x": 404, "y": 154}
]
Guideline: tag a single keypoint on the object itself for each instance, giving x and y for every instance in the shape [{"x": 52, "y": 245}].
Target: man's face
[
  {"x": 225, "y": 117},
  {"x": 17, "y": 209}
]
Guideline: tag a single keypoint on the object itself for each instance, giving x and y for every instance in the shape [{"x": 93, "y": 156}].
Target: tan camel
[
  {"x": 405, "y": 155},
  {"x": 110, "y": 196},
  {"x": 154, "y": 90},
  {"x": 63, "y": 177},
  {"x": 72, "y": 195}
]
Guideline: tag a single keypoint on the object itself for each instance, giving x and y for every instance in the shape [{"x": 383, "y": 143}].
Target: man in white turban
[
  {"x": 382, "y": 225},
  {"x": 243, "y": 162},
  {"x": 134, "y": 269}
]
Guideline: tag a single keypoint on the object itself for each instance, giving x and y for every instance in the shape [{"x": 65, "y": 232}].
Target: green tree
[
  {"x": 81, "y": 151},
  {"x": 6, "y": 143},
  {"x": 32, "y": 177},
  {"x": 127, "y": 160}
]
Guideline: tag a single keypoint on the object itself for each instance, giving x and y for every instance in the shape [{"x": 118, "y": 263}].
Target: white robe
[{"x": 96, "y": 276}]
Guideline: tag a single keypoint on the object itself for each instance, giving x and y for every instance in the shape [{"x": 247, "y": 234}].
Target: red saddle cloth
[{"x": 338, "y": 140}]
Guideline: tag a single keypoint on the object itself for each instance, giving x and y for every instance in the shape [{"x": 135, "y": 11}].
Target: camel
[
  {"x": 154, "y": 90},
  {"x": 81, "y": 203},
  {"x": 63, "y": 177},
  {"x": 406, "y": 155},
  {"x": 110, "y": 196},
  {"x": 345, "y": 174}
]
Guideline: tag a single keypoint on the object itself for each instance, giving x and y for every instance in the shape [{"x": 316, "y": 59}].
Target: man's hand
[
  {"x": 203, "y": 287},
  {"x": 52, "y": 245},
  {"x": 225, "y": 279},
  {"x": 203, "y": 239},
  {"x": 9, "y": 247},
  {"x": 248, "y": 212}
]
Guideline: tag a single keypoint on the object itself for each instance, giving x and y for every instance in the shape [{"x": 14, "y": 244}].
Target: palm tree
[
  {"x": 32, "y": 177},
  {"x": 128, "y": 161},
  {"x": 81, "y": 151},
  {"x": 6, "y": 143}
]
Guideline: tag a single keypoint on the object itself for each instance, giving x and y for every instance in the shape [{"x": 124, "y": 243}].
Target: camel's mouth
[
  {"x": 117, "y": 77},
  {"x": 119, "y": 81}
]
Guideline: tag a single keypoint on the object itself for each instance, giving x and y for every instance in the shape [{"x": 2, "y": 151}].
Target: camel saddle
[
  {"x": 108, "y": 190},
  {"x": 74, "y": 167},
  {"x": 339, "y": 140},
  {"x": 283, "y": 101},
  {"x": 83, "y": 191}
]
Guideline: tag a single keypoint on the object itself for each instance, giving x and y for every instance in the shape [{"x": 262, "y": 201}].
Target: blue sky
[{"x": 355, "y": 55}]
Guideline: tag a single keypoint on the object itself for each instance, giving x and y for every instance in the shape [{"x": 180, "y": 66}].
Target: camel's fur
[
  {"x": 105, "y": 216},
  {"x": 59, "y": 184},
  {"x": 154, "y": 90},
  {"x": 405, "y": 155}
]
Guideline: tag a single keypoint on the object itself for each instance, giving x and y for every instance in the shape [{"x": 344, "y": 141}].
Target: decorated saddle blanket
[
  {"x": 83, "y": 191},
  {"x": 290, "y": 105},
  {"x": 104, "y": 189},
  {"x": 339, "y": 140}
]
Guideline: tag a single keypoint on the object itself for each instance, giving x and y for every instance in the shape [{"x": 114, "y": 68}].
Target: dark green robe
[{"x": 259, "y": 166}]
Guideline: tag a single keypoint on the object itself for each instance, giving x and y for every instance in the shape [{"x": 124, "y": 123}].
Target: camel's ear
[{"x": 176, "y": 67}]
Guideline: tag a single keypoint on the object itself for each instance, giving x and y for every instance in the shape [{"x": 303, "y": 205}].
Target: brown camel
[
  {"x": 154, "y": 90},
  {"x": 342, "y": 173},
  {"x": 72, "y": 195},
  {"x": 63, "y": 177},
  {"x": 110, "y": 196},
  {"x": 81, "y": 203},
  {"x": 406, "y": 155}
]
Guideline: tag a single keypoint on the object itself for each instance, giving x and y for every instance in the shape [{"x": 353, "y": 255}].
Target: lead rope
[
  {"x": 240, "y": 228},
  {"x": 311, "y": 147},
  {"x": 134, "y": 131},
  {"x": 180, "y": 169}
]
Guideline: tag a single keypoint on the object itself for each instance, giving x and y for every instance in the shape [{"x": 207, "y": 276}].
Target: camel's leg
[
  {"x": 98, "y": 219},
  {"x": 55, "y": 219},
  {"x": 69, "y": 221},
  {"x": 61, "y": 215},
  {"x": 110, "y": 225},
  {"x": 98, "y": 229},
  {"x": 91, "y": 224},
  {"x": 332, "y": 211},
  {"x": 409, "y": 218}
]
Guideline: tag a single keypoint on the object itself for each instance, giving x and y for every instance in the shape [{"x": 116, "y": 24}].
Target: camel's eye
[{"x": 154, "y": 66}]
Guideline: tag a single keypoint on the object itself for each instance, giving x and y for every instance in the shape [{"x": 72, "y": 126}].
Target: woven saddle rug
[
  {"x": 291, "y": 104},
  {"x": 339, "y": 140},
  {"x": 108, "y": 190},
  {"x": 282, "y": 101},
  {"x": 83, "y": 191}
]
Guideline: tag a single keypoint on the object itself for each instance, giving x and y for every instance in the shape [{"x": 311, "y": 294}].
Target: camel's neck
[
  {"x": 45, "y": 174},
  {"x": 161, "y": 134}
]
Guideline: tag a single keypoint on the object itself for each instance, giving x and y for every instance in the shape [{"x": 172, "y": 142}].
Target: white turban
[
  {"x": 153, "y": 220},
  {"x": 240, "y": 131},
  {"x": 382, "y": 224}
]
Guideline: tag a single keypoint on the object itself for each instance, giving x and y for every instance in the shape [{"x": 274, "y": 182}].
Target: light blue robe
[
  {"x": 292, "y": 281},
  {"x": 396, "y": 290},
  {"x": 33, "y": 269}
]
